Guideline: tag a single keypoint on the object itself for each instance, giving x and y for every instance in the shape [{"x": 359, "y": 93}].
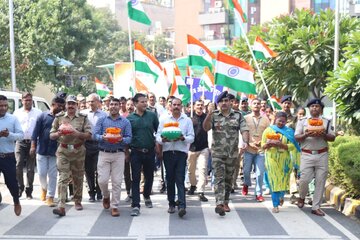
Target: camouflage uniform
[
  {"x": 290, "y": 121},
  {"x": 70, "y": 156},
  {"x": 225, "y": 150}
]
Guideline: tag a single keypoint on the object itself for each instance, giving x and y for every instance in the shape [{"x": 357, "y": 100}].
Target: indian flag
[
  {"x": 145, "y": 62},
  {"x": 207, "y": 79},
  {"x": 238, "y": 11},
  {"x": 234, "y": 73},
  {"x": 101, "y": 89},
  {"x": 262, "y": 51},
  {"x": 275, "y": 101},
  {"x": 136, "y": 12},
  {"x": 139, "y": 86},
  {"x": 199, "y": 54},
  {"x": 178, "y": 87}
]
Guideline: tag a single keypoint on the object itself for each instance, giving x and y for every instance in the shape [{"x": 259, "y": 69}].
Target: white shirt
[
  {"x": 187, "y": 129},
  {"x": 27, "y": 120},
  {"x": 94, "y": 116}
]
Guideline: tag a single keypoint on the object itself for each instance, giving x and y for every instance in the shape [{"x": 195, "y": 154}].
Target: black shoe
[
  {"x": 182, "y": 212},
  {"x": 171, "y": 209},
  {"x": 92, "y": 199},
  {"x": 99, "y": 196},
  {"x": 20, "y": 192},
  {"x": 202, "y": 197},
  {"x": 191, "y": 190},
  {"x": 220, "y": 210},
  {"x": 29, "y": 196},
  {"x": 232, "y": 190},
  {"x": 177, "y": 203}
]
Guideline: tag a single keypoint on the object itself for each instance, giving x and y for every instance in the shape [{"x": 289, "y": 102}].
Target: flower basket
[
  {"x": 273, "y": 137},
  {"x": 113, "y": 135},
  {"x": 315, "y": 125},
  {"x": 171, "y": 131},
  {"x": 66, "y": 128}
]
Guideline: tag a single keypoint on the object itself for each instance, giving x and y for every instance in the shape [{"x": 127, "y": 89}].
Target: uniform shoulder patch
[{"x": 60, "y": 114}]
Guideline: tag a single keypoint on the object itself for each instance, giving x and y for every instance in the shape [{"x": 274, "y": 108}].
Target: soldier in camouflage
[
  {"x": 225, "y": 124},
  {"x": 71, "y": 152}
]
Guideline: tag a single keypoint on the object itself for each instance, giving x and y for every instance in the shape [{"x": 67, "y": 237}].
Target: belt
[
  {"x": 70, "y": 146},
  {"x": 143, "y": 150},
  {"x": 111, "y": 151},
  {"x": 5, "y": 155},
  {"x": 92, "y": 141},
  {"x": 315, "y": 151},
  {"x": 26, "y": 140}
]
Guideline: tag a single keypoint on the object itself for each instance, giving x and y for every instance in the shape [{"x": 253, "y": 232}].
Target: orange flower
[
  {"x": 171, "y": 124},
  {"x": 273, "y": 136},
  {"x": 315, "y": 122},
  {"x": 113, "y": 130}
]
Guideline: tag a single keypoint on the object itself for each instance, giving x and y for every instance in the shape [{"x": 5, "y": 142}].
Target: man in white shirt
[
  {"x": 27, "y": 116},
  {"x": 174, "y": 154}
]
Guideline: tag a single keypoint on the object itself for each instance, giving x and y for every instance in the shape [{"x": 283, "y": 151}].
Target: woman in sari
[{"x": 278, "y": 142}]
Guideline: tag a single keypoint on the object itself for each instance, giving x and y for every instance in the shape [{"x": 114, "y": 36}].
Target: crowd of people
[{"x": 232, "y": 137}]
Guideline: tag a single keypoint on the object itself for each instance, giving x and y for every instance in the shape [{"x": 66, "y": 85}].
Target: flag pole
[
  {"x": 191, "y": 94},
  {"x": 256, "y": 63},
  {"x": 131, "y": 57}
]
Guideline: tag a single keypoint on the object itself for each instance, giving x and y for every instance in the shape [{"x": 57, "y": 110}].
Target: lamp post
[{"x": 12, "y": 45}]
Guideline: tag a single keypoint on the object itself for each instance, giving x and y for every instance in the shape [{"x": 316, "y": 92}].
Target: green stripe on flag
[
  {"x": 144, "y": 67},
  {"x": 102, "y": 93},
  {"x": 237, "y": 85},
  {"x": 260, "y": 56},
  {"x": 199, "y": 61},
  {"x": 203, "y": 84},
  {"x": 137, "y": 15}
]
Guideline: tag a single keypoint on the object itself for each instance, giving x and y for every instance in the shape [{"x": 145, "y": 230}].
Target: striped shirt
[{"x": 106, "y": 122}]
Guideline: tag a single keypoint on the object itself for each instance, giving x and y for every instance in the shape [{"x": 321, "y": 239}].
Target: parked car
[{"x": 14, "y": 100}]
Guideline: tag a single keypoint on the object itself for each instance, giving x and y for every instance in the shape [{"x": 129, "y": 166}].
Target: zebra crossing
[{"x": 248, "y": 219}]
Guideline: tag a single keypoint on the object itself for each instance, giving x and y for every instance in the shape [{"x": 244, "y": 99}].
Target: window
[
  {"x": 11, "y": 104},
  {"x": 43, "y": 106}
]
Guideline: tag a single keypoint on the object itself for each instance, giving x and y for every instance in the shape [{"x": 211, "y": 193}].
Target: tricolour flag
[
  {"x": 198, "y": 53},
  {"x": 178, "y": 87},
  {"x": 145, "y": 62},
  {"x": 136, "y": 12},
  {"x": 140, "y": 87},
  {"x": 275, "y": 102},
  {"x": 238, "y": 11},
  {"x": 207, "y": 79},
  {"x": 101, "y": 89},
  {"x": 234, "y": 73},
  {"x": 262, "y": 51}
]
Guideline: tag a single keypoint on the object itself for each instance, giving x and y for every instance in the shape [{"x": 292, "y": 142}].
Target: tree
[
  {"x": 344, "y": 83},
  {"x": 304, "y": 42},
  {"x": 68, "y": 29}
]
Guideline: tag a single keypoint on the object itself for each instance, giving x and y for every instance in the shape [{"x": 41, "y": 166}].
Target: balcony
[{"x": 213, "y": 16}]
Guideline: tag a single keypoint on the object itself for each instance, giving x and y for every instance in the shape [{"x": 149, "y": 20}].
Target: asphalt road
[{"x": 248, "y": 219}]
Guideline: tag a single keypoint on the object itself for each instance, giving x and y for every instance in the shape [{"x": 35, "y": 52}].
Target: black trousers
[
  {"x": 91, "y": 160},
  {"x": 8, "y": 169}
]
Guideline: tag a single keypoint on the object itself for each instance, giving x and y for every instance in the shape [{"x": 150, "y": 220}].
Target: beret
[
  {"x": 315, "y": 101},
  {"x": 286, "y": 98},
  {"x": 61, "y": 95},
  {"x": 231, "y": 96},
  {"x": 244, "y": 99},
  {"x": 221, "y": 96},
  {"x": 71, "y": 98}
]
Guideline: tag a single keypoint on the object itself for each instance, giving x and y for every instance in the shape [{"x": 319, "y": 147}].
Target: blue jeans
[
  {"x": 146, "y": 163},
  {"x": 258, "y": 160},
  {"x": 46, "y": 166},
  {"x": 175, "y": 163}
]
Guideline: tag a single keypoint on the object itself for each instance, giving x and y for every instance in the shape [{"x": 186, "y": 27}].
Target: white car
[{"x": 14, "y": 100}]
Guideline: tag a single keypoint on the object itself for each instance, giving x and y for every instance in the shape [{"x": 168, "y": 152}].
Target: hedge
[{"x": 344, "y": 164}]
